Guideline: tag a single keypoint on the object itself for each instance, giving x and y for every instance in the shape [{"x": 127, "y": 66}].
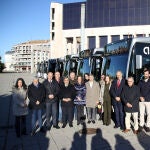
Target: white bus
[{"x": 131, "y": 56}]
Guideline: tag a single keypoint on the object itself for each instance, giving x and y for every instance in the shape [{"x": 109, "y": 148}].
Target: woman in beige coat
[{"x": 92, "y": 98}]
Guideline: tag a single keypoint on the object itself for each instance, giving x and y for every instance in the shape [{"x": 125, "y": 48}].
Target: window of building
[
  {"x": 91, "y": 42},
  {"x": 53, "y": 35},
  {"x": 115, "y": 38},
  {"x": 140, "y": 35},
  {"x": 127, "y": 36},
  {"x": 69, "y": 40},
  {"x": 103, "y": 13},
  {"x": 53, "y": 13},
  {"x": 103, "y": 41},
  {"x": 53, "y": 25}
]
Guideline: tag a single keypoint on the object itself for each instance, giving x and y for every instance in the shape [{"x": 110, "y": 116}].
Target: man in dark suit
[
  {"x": 115, "y": 90},
  {"x": 52, "y": 91},
  {"x": 36, "y": 95}
]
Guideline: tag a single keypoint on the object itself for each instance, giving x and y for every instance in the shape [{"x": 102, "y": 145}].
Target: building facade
[
  {"x": 9, "y": 61},
  {"x": 94, "y": 23},
  {"x": 27, "y": 55}
]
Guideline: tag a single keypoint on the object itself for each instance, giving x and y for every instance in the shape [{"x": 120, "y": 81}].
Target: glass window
[
  {"x": 118, "y": 17},
  {"x": 53, "y": 35},
  {"x": 115, "y": 63},
  {"x": 103, "y": 41},
  {"x": 127, "y": 36},
  {"x": 131, "y": 17},
  {"x": 140, "y": 35},
  {"x": 96, "y": 64},
  {"x": 53, "y": 12},
  {"x": 84, "y": 66},
  {"x": 112, "y": 17},
  {"x": 71, "y": 15},
  {"x": 106, "y": 18},
  {"x": 139, "y": 50},
  {"x": 53, "y": 25},
  {"x": 115, "y": 38},
  {"x": 91, "y": 42}
]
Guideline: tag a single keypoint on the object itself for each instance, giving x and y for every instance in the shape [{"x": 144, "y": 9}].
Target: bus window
[{"x": 116, "y": 63}]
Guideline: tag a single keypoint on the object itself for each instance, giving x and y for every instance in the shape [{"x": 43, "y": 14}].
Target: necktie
[{"x": 118, "y": 83}]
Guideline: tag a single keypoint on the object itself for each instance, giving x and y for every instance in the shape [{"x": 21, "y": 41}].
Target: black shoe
[
  {"x": 48, "y": 127},
  {"x": 93, "y": 121},
  {"x": 116, "y": 126},
  {"x": 122, "y": 128},
  {"x": 64, "y": 125},
  {"x": 57, "y": 127},
  {"x": 70, "y": 125},
  {"x": 140, "y": 128},
  {"x": 42, "y": 130},
  {"x": 147, "y": 129},
  {"x": 100, "y": 117},
  {"x": 89, "y": 122},
  {"x": 78, "y": 123}
]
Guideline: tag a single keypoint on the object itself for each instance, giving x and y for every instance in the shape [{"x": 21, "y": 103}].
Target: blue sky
[{"x": 23, "y": 20}]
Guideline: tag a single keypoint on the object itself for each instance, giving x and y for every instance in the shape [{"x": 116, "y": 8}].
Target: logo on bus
[{"x": 146, "y": 50}]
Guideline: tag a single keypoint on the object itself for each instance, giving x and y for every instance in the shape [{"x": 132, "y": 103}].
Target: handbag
[{"x": 99, "y": 108}]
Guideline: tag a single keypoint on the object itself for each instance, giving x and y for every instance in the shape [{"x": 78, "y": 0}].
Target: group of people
[{"x": 66, "y": 98}]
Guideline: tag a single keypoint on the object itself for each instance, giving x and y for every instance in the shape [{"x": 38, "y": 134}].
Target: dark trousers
[
  {"x": 20, "y": 125},
  {"x": 119, "y": 113},
  {"x": 80, "y": 112},
  {"x": 67, "y": 114},
  {"x": 51, "y": 110},
  {"x": 107, "y": 112}
]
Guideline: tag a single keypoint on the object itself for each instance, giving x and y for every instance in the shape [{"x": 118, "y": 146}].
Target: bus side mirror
[{"x": 138, "y": 61}]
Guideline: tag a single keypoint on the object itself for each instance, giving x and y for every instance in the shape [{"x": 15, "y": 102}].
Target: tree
[{"x": 2, "y": 66}]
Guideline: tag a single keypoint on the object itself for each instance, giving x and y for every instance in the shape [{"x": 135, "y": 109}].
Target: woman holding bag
[{"x": 20, "y": 109}]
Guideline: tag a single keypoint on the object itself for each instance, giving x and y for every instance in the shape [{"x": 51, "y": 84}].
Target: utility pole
[{"x": 82, "y": 26}]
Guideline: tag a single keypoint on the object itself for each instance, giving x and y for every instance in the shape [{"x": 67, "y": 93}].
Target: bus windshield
[
  {"x": 113, "y": 64},
  {"x": 84, "y": 66},
  {"x": 142, "y": 49}
]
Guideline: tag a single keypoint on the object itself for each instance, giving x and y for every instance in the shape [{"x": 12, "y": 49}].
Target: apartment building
[
  {"x": 94, "y": 23},
  {"x": 27, "y": 55},
  {"x": 9, "y": 61}
]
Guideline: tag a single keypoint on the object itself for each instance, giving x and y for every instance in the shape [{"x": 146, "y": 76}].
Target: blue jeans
[
  {"x": 119, "y": 113},
  {"x": 51, "y": 110},
  {"x": 36, "y": 114}
]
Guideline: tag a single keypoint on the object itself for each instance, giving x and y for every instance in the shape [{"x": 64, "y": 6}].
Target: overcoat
[{"x": 92, "y": 94}]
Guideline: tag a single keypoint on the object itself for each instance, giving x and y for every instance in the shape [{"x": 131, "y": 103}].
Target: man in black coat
[
  {"x": 115, "y": 91},
  {"x": 52, "y": 91},
  {"x": 130, "y": 97},
  {"x": 67, "y": 95},
  {"x": 36, "y": 95},
  {"x": 60, "y": 82},
  {"x": 144, "y": 86}
]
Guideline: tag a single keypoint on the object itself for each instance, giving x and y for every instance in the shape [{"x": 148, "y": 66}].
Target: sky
[{"x": 24, "y": 20}]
